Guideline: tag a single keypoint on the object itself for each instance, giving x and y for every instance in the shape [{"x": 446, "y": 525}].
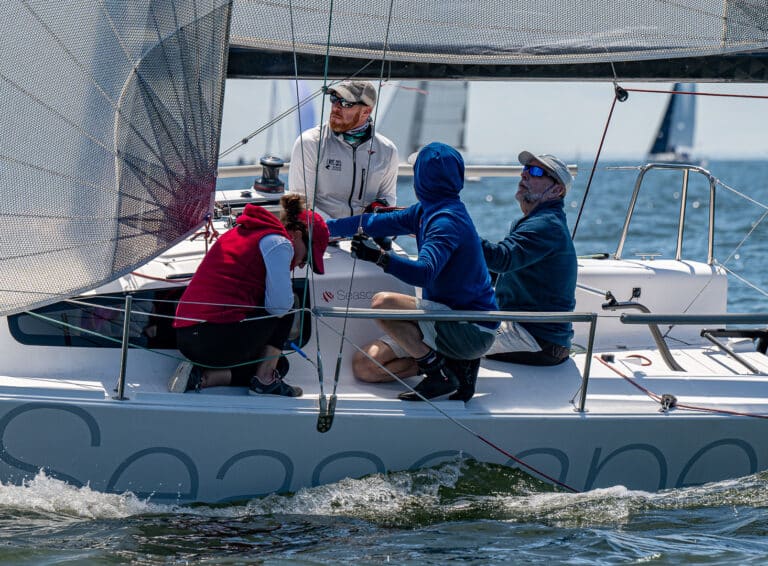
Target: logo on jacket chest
[{"x": 333, "y": 165}]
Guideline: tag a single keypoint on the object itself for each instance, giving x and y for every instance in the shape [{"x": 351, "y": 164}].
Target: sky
[{"x": 563, "y": 118}]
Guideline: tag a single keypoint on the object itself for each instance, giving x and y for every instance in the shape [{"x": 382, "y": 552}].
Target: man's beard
[{"x": 340, "y": 124}]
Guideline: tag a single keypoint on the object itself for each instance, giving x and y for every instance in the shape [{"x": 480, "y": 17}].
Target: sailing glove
[{"x": 364, "y": 248}]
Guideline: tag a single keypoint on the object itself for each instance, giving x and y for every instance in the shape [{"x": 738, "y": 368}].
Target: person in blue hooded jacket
[
  {"x": 537, "y": 266},
  {"x": 451, "y": 272}
]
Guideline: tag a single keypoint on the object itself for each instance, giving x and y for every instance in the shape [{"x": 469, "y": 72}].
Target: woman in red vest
[{"x": 231, "y": 319}]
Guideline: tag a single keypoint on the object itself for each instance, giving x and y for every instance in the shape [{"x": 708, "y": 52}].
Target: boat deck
[{"x": 712, "y": 379}]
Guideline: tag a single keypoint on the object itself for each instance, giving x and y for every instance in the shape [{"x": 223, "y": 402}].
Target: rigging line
[
  {"x": 717, "y": 94},
  {"x": 449, "y": 417},
  {"x": 118, "y": 298},
  {"x": 306, "y": 288},
  {"x": 271, "y": 122},
  {"x": 742, "y": 195},
  {"x": 745, "y": 238},
  {"x": 746, "y": 282},
  {"x": 289, "y": 111},
  {"x": 658, "y": 398},
  {"x": 724, "y": 263},
  {"x": 337, "y": 371},
  {"x": 134, "y": 346},
  {"x": 322, "y": 132},
  {"x": 616, "y": 95}
]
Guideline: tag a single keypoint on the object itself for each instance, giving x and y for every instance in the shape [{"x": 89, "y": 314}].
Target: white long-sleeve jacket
[{"x": 348, "y": 178}]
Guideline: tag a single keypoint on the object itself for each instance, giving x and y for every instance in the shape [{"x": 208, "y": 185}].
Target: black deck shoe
[
  {"x": 277, "y": 387},
  {"x": 436, "y": 384},
  {"x": 466, "y": 371}
]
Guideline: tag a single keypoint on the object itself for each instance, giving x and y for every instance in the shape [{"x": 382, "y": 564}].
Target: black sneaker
[
  {"x": 466, "y": 371},
  {"x": 436, "y": 384},
  {"x": 278, "y": 386}
]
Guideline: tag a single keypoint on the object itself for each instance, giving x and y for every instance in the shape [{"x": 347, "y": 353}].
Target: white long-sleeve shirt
[
  {"x": 277, "y": 252},
  {"x": 348, "y": 178}
]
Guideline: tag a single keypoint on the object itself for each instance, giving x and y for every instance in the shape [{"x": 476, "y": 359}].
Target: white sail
[
  {"x": 420, "y": 112},
  {"x": 111, "y": 116}
]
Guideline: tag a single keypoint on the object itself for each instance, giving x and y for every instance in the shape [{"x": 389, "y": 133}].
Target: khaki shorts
[{"x": 455, "y": 339}]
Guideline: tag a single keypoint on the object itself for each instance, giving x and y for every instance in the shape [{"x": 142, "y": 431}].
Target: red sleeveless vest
[{"x": 231, "y": 273}]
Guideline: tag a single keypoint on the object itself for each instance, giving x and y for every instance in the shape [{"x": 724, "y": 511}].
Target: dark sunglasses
[
  {"x": 343, "y": 103},
  {"x": 536, "y": 171}
]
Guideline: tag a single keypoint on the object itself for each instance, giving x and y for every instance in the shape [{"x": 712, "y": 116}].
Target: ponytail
[{"x": 292, "y": 205}]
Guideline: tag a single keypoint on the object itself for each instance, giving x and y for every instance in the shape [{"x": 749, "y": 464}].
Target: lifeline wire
[{"x": 594, "y": 164}]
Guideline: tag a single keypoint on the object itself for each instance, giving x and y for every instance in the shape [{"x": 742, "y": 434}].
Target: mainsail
[
  {"x": 456, "y": 39},
  {"x": 674, "y": 139},
  {"x": 111, "y": 118}
]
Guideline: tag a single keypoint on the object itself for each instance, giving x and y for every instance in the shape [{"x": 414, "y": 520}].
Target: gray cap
[
  {"x": 355, "y": 91},
  {"x": 552, "y": 164}
]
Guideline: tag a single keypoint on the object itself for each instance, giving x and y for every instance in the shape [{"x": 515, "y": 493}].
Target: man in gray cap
[
  {"x": 344, "y": 167},
  {"x": 537, "y": 266}
]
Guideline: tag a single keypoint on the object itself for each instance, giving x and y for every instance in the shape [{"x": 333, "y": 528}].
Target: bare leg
[
  {"x": 366, "y": 370},
  {"x": 407, "y": 334},
  {"x": 215, "y": 377},
  {"x": 265, "y": 372}
]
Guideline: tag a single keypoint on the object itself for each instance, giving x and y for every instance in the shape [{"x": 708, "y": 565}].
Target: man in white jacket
[{"x": 356, "y": 167}]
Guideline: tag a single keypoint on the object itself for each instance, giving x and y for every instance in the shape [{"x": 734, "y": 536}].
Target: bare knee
[
  {"x": 366, "y": 369},
  {"x": 381, "y": 300},
  {"x": 361, "y": 366}
]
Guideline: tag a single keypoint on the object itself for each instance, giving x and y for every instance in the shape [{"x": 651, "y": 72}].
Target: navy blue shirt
[{"x": 537, "y": 266}]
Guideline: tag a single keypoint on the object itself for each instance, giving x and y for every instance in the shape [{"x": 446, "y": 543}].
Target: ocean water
[{"x": 460, "y": 511}]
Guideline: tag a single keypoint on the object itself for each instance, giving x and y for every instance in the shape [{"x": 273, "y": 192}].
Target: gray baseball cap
[
  {"x": 355, "y": 91},
  {"x": 552, "y": 164}
]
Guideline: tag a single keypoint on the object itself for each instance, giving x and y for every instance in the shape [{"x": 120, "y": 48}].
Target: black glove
[
  {"x": 376, "y": 205},
  {"x": 364, "y": 248}
]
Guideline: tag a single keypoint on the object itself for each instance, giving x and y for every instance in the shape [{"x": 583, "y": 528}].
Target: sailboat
[
  {"x": 674, "y": 138},
  {"x": 111, "y": 115},
  {"x": 419, "y": 112}
]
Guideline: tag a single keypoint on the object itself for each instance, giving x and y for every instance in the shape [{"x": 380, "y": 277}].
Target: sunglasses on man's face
[
  {"x": 536, "y": 171},
  {"x": 343, "y": 103}
]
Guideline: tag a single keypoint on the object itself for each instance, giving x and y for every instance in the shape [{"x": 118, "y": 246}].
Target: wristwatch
[{"x": 383, "y": 260}]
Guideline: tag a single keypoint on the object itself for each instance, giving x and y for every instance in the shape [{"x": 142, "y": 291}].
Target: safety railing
[
  {"x": 686, "y": 169},
  {"x": 652, "y": 320}
]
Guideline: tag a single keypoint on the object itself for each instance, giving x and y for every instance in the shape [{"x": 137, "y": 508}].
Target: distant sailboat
[
  {"x": 420, "y": 112},
  {"x": 674, "y": 140}
]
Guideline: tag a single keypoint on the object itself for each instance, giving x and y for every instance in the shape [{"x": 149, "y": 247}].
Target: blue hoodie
[{"x": 450, "y": 267}]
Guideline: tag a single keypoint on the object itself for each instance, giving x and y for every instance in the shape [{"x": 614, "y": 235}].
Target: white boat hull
[{"x": 58, "y": 412}]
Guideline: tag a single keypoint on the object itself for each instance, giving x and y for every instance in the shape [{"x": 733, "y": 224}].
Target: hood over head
[{"x": 438, "y": 173}]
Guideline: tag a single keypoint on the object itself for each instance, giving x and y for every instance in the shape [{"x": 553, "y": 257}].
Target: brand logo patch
[{"x": 333, "y": 164}]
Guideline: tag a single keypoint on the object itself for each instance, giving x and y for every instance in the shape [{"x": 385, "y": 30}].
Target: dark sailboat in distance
[{"x": 674, "y": 139}]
